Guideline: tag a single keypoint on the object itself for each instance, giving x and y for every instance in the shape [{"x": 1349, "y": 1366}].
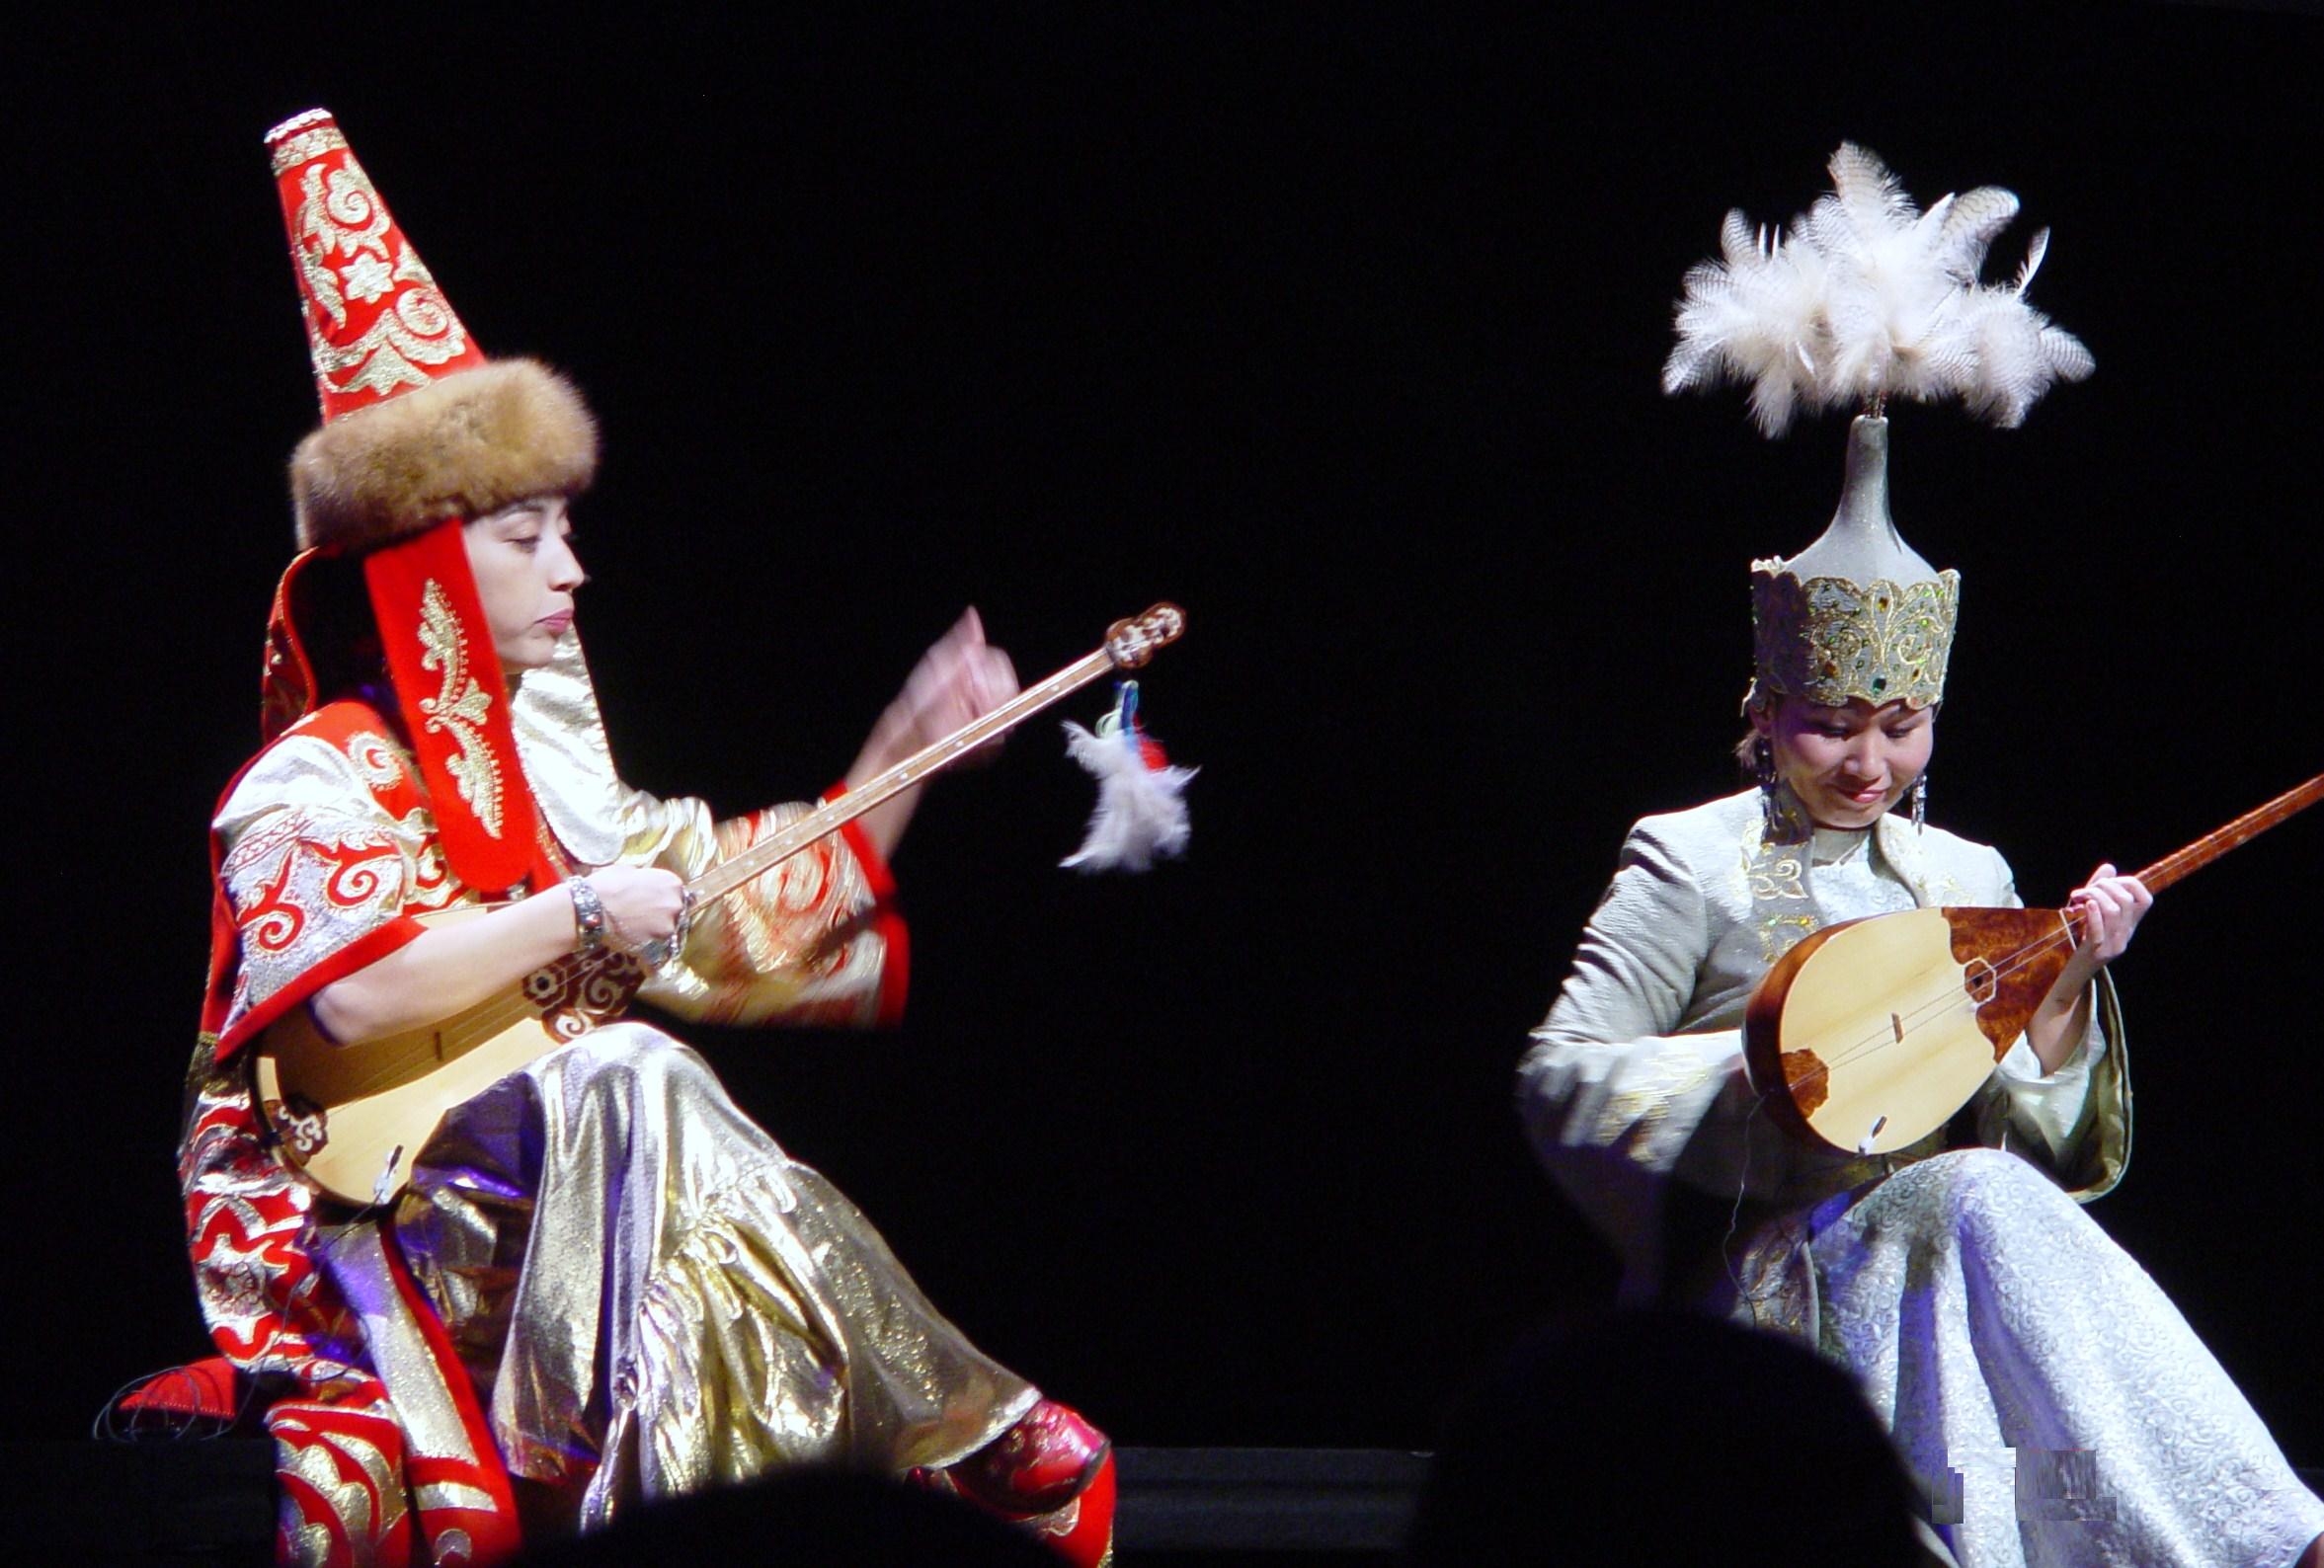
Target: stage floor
[{"x": 211, "y": 1502}]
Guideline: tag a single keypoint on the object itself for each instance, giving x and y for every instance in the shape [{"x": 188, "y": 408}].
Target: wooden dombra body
[
  {"x": 1877, "y": 1030},
  {"x": 351, "y": 1116},
  {"x": 1871, "y": 1034}
]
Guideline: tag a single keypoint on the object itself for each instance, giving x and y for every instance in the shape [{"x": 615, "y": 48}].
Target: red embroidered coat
[{"x": 325, "y": 854}]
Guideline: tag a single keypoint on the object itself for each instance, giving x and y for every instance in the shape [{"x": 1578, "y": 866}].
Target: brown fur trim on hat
[{"x": 470, "y": 443}]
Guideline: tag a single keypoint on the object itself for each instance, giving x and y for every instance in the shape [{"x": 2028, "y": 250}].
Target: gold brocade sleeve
[{"x": 805, "y": 944}]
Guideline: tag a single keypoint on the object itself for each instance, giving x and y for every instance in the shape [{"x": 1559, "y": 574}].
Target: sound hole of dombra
[{"x": 1981, "y": 982}]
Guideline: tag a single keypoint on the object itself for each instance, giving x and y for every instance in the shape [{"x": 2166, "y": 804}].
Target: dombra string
[
  {"x": 491, "y": 1018},
  {"x": 2069, "y": 932},
  {"x": 1130, "y": 644}
]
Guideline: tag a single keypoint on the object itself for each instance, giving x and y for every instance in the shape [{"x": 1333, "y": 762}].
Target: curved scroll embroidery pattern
[
  {"x": 381, "y": 766},
  {"x": 302, "y": 890},
  {"x": 364, "y": 871},
  {"x": 1776, "y": 873},
  {"x": 341, "y": 216},
  {"x": 431, "y": 886},
  {"x": 274, "y": 919},
  {"x": 248, "y": 1217},
  {"x": 458, "y": 708},
  {"x": 374, "y": 760}
]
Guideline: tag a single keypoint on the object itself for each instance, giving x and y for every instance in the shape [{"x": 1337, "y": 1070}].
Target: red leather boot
[{"x": 1052, "y": 1474}]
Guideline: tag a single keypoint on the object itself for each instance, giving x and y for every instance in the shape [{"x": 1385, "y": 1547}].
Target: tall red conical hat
[
  {"x": 420, "y": 433},
  {"x": 376, "y": 324}
]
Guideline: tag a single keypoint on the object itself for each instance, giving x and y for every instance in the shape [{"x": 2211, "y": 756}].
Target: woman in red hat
[{"x": 597, "y": 1276}]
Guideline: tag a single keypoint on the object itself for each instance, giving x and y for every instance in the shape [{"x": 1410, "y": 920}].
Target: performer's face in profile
[
  {"x": 1848, "y": 765},
  {"x": 525, "y": 572}
]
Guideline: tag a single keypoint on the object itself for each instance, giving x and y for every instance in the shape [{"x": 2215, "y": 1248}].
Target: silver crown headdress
[{"x": 1862, "y": 298}]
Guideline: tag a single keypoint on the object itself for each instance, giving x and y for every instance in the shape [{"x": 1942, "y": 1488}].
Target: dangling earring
[
  {"x": 1771, "y": 813},
  {"x": 1920, "y": 803}
]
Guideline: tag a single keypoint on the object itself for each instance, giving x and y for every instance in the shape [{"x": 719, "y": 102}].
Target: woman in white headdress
[{"x": 2054, "y": 1406}]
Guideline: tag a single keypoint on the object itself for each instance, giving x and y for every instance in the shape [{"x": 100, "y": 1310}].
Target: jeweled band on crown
[{"x": 1829, "y": 638}]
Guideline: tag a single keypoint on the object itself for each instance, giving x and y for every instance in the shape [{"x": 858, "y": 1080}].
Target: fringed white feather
[
  {"x": 1141, "y": 811},
  {"x": 1867, "y": 297},
  {"x": 1756, "y": 315}
]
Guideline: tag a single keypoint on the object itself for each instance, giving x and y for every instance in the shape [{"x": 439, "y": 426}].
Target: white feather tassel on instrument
[
  {"x": 1141, "y": 798},
  {"x": 1864, "y": 299}
]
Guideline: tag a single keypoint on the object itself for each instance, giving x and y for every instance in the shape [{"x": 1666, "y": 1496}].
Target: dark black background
[{"x": 1339, "y": 326}]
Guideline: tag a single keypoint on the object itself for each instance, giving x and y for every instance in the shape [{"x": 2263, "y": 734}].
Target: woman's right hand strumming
[
  {"x": 642, "y": 903},
  {"x": 448, "y": 969}
]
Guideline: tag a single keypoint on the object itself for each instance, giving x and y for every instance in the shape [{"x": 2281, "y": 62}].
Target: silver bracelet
[{"x": 589, "y": 916}]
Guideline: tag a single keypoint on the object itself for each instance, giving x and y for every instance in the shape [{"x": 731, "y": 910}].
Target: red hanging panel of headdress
[{"x": 448, "y": 680}]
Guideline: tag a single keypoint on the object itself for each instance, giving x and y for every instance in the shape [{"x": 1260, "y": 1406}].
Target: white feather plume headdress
[{"x": 1864, "y": 299}]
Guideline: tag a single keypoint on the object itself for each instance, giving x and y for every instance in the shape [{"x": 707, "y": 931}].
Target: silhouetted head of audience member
[
  {"x": 824, "y": 1517},
  {"x": 1667, "y": 1439}
]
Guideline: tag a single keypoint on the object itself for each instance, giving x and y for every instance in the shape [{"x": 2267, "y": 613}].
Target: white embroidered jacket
[{"x": 1636, "y": 1076}]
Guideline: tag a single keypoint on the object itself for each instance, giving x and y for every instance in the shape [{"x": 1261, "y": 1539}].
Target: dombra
[
  {"x": 352, "y": 1118},
  {"x": 1869, "y": 1034}
]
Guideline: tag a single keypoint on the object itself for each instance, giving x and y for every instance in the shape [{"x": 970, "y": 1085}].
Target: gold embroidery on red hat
[{"x": 339, "y": 215}]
